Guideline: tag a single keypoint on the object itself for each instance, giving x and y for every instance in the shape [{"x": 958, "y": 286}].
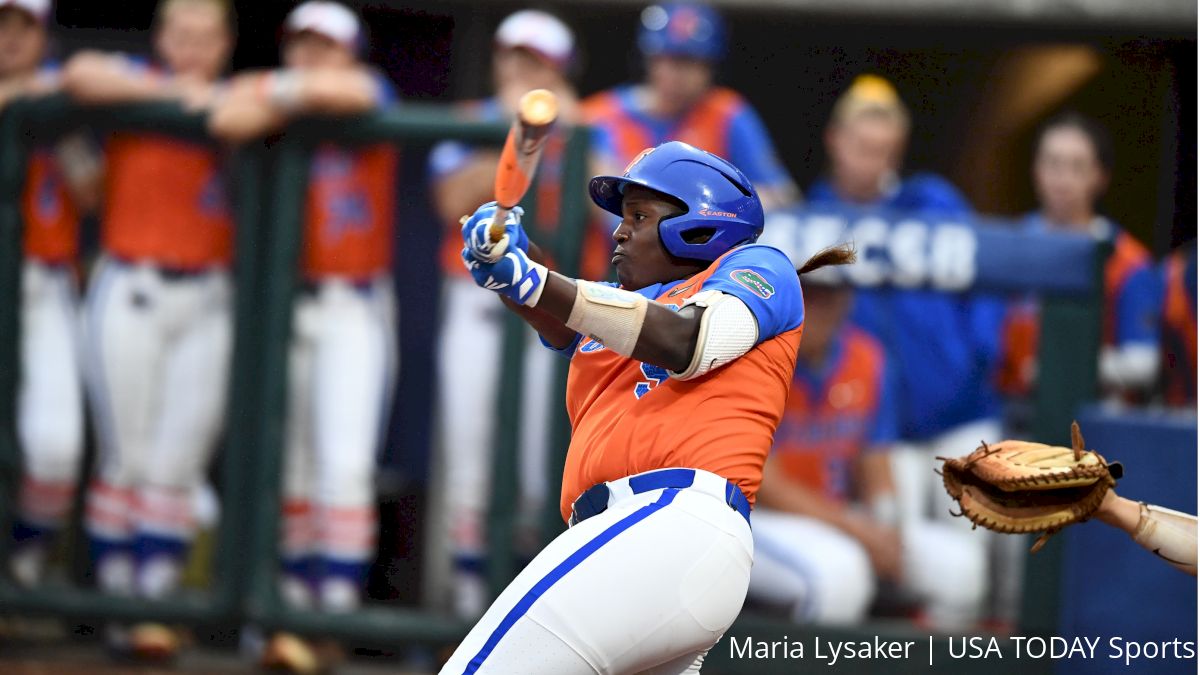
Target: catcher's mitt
[{"x": 1017, "y": 486}]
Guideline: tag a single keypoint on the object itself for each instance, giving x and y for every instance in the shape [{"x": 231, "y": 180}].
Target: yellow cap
[{"x": 870, "y": 93}]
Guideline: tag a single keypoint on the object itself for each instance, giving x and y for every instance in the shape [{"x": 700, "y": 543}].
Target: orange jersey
[
  {"x": 351, "y": 212},
  {"x": 705, "y": 125},
  {"x": 1179, "y": 334},
  {"x": 51, "y": 219},
  {"x": 1130, "y": 314},
  {"x": 165, "y": 202},
  {"x": 835, "y": 414},
  {"x": 628, "y": 417}
]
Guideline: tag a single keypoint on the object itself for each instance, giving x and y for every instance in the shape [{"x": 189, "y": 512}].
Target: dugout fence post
[
  {"x": 568, "y": 253},
  {"x": 12, "y": 182},
  {"x": 1068, "y": 354}
]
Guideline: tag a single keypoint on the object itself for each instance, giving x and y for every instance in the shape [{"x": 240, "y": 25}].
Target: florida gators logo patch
[{"x": 754, "y": 281}]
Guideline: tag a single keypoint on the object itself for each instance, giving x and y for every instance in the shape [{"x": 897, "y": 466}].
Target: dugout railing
[{"x": 270, "y": 183}]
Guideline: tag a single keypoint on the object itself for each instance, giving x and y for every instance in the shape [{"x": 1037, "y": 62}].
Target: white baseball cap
[
  {"x": 540, "y": 33},
  {"x": 38, "y": 9},
  {"x": 330, "y": 19}
]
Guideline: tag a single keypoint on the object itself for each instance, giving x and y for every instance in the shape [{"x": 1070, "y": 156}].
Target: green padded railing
[{"x": 269, "y": 226}]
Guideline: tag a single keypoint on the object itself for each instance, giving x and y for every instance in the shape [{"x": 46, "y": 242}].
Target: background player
[
  {"x": 1179, "y": 327},
  {"x": 827, "y": 533},
  {"x": 689, "y": 371},
  {"x": 50, "y": 403},
  {"x": 681, "y": 45},
  {"x": 158, "y": 312},
  {"x": 1072, "y": 168},
  {"x": 531, "y": 50},
  {"x": 945, "y": 346},
  {"x": 343, "y": 358}
]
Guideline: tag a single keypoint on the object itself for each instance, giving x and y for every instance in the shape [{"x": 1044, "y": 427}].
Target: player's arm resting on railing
[
  {"x": 97, "y": 77},
  {"x": 261, "y": 102},
  {"x": 1170, "y": 535}
]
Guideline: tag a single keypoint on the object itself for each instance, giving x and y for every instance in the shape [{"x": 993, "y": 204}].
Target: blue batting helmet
[
  {"x": 720, "y": 201},
  {"x": 682, "y": 29}
]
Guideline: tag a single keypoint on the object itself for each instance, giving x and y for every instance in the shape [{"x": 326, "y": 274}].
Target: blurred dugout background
[{"x": 978, "y": 78}]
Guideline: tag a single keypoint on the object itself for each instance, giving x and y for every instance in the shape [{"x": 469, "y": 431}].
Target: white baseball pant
[
  {"x": 647, "y": 586},
  {"x": 49, "y": 410},
  {"x": 157, "y": 351},
  {"x": 468, "y": 386},
  {"x": 342, "y": 369},
  {"x": 822, "y": 575}
]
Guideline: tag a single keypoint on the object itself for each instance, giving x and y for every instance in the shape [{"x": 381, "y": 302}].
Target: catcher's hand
[{"x": 1017, "y": 487}]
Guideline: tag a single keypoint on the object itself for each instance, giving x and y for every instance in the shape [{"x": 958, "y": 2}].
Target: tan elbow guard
[
  {"x": 611, "y": 316},
  {"x": 1168, "y": 534}
]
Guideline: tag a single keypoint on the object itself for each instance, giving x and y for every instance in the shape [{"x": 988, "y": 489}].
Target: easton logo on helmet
[
  {"x": 711, "y": 212},
  {"x": 754, "y": 281}
]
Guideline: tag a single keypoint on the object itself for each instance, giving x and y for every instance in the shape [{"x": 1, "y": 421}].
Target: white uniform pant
[
  {"x": 50, "y": 397},
  {"x": 468, "y": 385},
  {"x": 157, "y": 350},
  {"x": 342, "y": 369},
  {"x": 923, "y": 498},
  {"x": 820, "y": 574},
  {"x": 649, "y": 585}
]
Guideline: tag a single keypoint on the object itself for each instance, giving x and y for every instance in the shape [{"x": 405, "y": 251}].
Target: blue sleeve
[
  {"x": 566, "y": 352},
  {"x": 448, "y": 157},
  {"x": 385, "y": 91},
  {"x": 764, "y": 279},
  {"x": 929, "y": 192},
  {"x": 750, "y": 149},
  {"x": 1138, "y": 307},
  {"x": 986, "y": 314},
  {"x": 885, "y": 427}
]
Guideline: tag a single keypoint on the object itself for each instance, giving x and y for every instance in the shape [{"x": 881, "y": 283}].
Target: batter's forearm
[
  {"x": 553, "y": 331},
  {"x": 661, "y": 337}
]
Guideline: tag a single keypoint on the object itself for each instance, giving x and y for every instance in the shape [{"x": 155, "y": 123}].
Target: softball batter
[{"x": 678, "y": 379}]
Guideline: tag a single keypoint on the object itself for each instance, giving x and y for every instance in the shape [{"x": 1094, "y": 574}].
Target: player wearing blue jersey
[{"x": 945, "y": 346}]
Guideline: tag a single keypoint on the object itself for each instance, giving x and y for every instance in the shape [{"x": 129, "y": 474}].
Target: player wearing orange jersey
[
  {"x": 828, "y": 533},
  {"x": 50, "y": 405},
  {"x": 678, "y": 379},
  {"x": 1179, "y": 327},
  {"x": 682, "y": 43},
  {"x": 158, "y": 314},
  {"x": 1072, "y": 167},
  {"x": 343, "y": 358}
]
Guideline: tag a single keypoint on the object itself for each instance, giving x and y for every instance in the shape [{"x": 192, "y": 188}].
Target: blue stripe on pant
[{"x": 560, "y": 571}]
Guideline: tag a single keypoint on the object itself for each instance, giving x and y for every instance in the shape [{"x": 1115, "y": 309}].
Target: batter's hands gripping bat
[{"x": 536, "y": 113}]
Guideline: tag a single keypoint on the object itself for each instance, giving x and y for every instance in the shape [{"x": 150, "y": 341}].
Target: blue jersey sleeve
[
  {"x": 448, "y": 157},
  {"x": 1138, "y": 308},
  {"x": 764, "y": 279},
  {"x": 385, "y": 91},
  {"x": 565, "y": 352},
  {"x": 885, "y": 427},
  {"x": 930, "y": 192},
  {"x": 751, "y": 150}
]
